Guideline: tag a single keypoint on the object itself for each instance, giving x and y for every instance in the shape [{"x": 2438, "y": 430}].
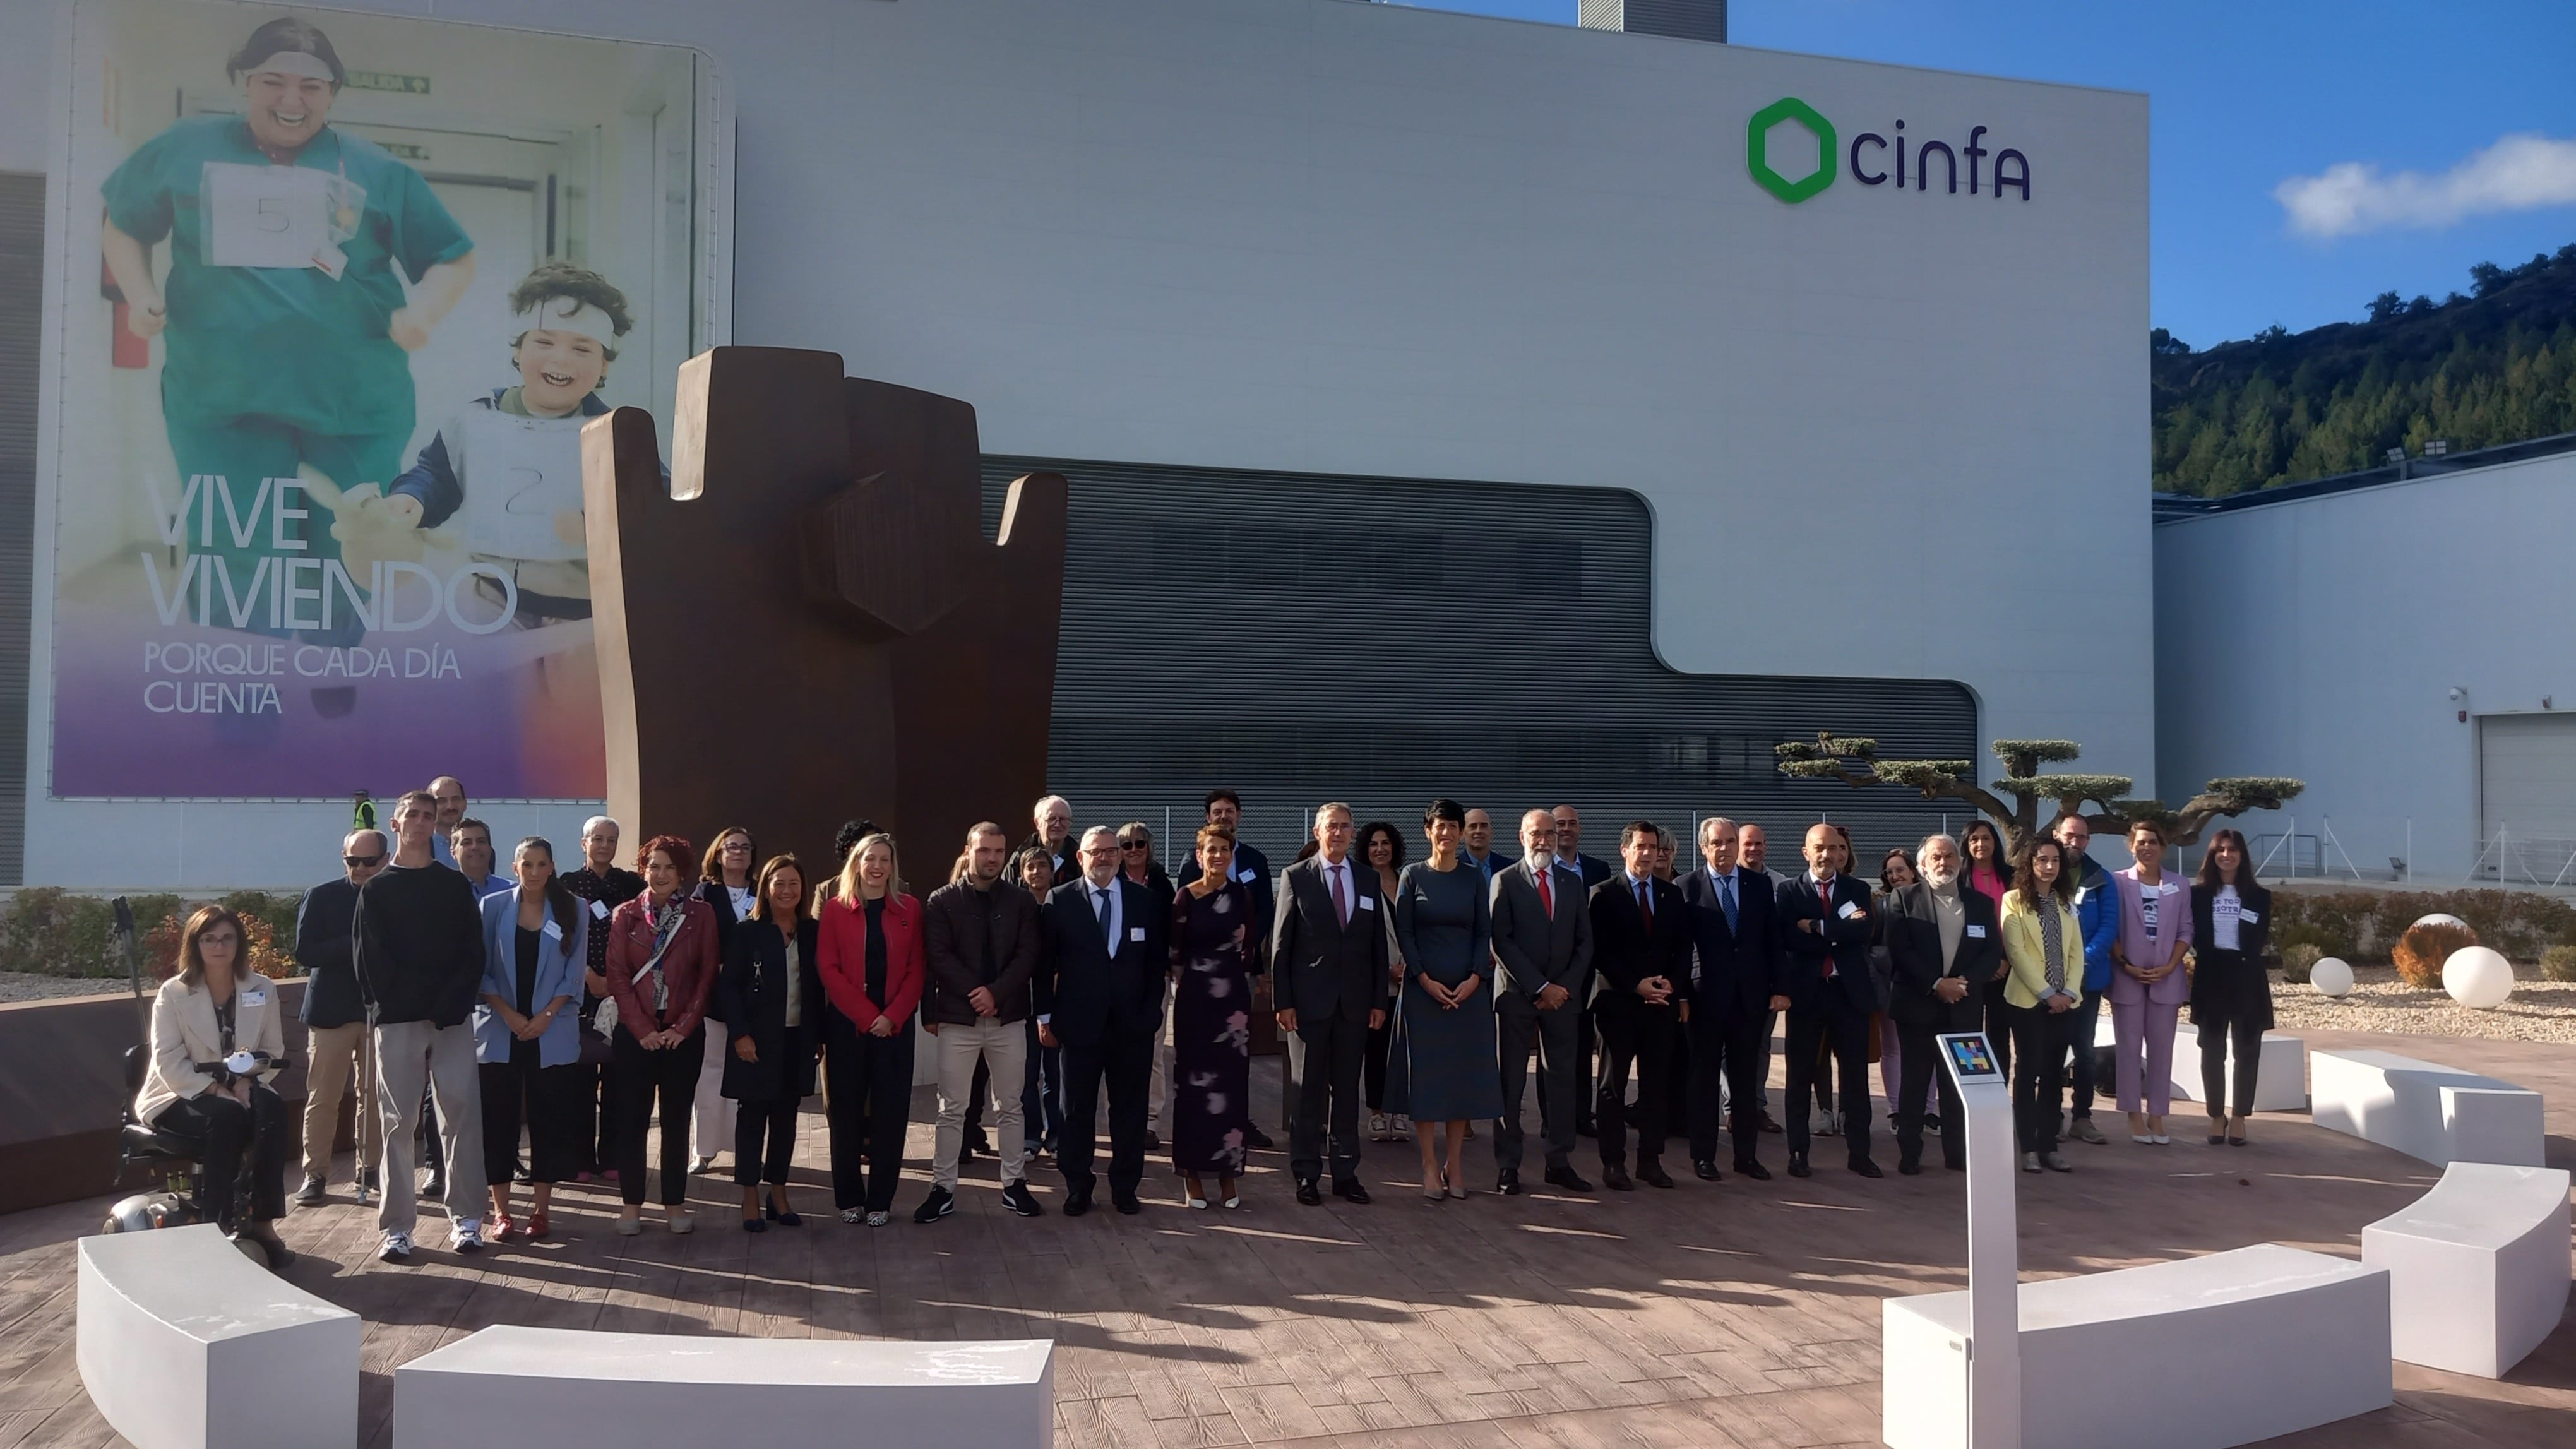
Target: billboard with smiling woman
[{"x": 353, "y": 286}]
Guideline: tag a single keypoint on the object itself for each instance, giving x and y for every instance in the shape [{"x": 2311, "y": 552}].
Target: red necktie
[
  {"x": 1546, "y": 897},
  {"x": 1646, "y": 905},
  {"x": 1825, "y": 900},
  {"x": 1341, "y": 906}
]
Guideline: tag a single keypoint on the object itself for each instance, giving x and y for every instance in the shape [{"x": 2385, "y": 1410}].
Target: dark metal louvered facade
[
  {"x": 22, "y": 295},
  {"x": 1385, "y": 640}
]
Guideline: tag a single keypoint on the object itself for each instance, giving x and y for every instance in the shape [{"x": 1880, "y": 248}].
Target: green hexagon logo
[{"x": 1757, "y": 149}]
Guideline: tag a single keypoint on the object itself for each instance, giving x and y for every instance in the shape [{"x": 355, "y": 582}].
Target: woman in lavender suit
[{"x": 2148, "y": 981}]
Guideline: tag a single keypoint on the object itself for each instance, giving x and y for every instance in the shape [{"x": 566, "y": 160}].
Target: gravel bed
[
  {"x": 2538, "y": 1010},
  {"x": 26, "y": 986}
]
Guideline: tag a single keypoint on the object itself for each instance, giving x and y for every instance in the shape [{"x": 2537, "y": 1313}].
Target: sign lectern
[{"x": 1994, "y": 1249}]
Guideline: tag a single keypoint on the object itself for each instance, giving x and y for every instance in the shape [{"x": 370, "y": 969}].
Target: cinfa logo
[{"x": 1776, "y": 139}]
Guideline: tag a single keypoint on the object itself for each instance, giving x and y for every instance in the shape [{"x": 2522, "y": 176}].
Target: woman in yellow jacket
[{"x": 2046, "y": 950}]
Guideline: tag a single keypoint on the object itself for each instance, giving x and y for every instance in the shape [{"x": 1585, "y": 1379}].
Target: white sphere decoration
[
  {"x": 2438, "y": 918},
  {"x": 2478, "y": 977},
  {"x": 2333, "y": 976}
]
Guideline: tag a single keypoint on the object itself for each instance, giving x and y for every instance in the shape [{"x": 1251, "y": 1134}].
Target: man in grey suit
[
  {"x": 1543, "y": 936},
  {"x": 1328, "y": 957}
]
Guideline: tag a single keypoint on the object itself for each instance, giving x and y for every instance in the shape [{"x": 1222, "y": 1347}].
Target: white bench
[
  {"x": 2433, "y": 1113},
  {"x": 2281, "y": 1087},
  {"x": 2477, "y": 1268},
  {"x": 571, "y": 1386},
  {"x": 184, "y": 1343},
  {"x": 2217, "y": 1350}
]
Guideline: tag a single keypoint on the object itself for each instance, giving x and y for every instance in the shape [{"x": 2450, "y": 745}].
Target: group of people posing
[{"x": 576, "y": 1007}]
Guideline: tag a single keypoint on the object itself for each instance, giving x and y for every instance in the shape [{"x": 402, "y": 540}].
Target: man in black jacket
[
  {"x": 980, "y": 948},
  {"x": 1641, "y": 945},
  {"x": 1827, "y": 989},
  {"x": 1944, "y": 944},
  {"x": 419, "y": 938},
  {"x": 335, "y": 1018},
  {"x": 1735, "y": 933},
  {"x": 1103, "y": 964},
  {"x": 1328, "y": 958}
]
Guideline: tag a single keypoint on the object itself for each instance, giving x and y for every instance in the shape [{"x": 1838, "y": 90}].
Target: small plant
[
  {"x": 2419, "y": 954},
  {"x": 2300, "y": 961},
  {"x": 2558, "y": 963}
]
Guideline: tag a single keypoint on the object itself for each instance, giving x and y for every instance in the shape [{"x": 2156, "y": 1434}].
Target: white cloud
[{"x": 2517, "y": 173}]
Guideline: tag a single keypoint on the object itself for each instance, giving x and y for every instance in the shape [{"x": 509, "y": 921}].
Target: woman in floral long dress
[{"x": 1211, "y": 1022}]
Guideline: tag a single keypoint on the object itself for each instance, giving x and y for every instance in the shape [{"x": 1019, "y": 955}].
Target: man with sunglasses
[
  {"x": 335, "y": 1019},
  {"x": 1136, "y": 862}
]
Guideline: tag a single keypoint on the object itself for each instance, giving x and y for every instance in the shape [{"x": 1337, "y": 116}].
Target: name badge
[
  {"x": 2166, "y": 888},
  {"x": 2248, "y": 917},
  {"x": 1977, "y": 932},
  {"x": 551, "y": 930},
  {"x": 1247, "y": 875},
  {"x": 1135, "y": 933},
  {"x": 254, "y": 998},
  {"x": 1368, "y": 903},
  {"x": 1848, "y": 911},
  {"x": 2079, "y": 895},
  {"x": 599, "y": 910}
]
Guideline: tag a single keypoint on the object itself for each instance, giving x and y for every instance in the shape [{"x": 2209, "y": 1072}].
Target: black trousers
[
  {"x": 595, "y": 1112},
  {"x": 1587, "y": 1037},
  {"x": 669, "y": 1076},
  {"x": 2215, "y": 1040},
  {"x": 869, "y": 1082},
  {"x": 519, "y": 1093},
  {"x": 764, "y": 1139},
  {"x": 227, "y": 1136},
  {"x": 1645, "y": 1036},
  {"x": 1041, "y": 1092},
  {"x": 1832, "y": 1029},
  {"x": 2039, "y": 1070},
  {"x": 1728, "y": 1050},
  {"x": 1121, "y": 1061},
  {"x": 1519, "y": 1025},
  {"x": 1323, "y": 1096},
  {"x": 2001, "y": 1041},
  {"x": 1373, "y": 1063},
  {"x": 1920, "y": 1050}
]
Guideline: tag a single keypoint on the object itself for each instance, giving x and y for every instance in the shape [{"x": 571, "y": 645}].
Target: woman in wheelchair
[{"x": 217, "y": 1038}]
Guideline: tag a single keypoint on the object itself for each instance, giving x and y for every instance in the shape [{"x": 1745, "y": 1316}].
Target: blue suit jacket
[
  {"x": 560, "y": 960},
  {"x": 1739, "y": 970}
]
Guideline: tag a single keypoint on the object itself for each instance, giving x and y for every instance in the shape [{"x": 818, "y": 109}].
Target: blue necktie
[
  {"x": 1100, "y": 908},
  {"x": 1726, "y": 898}
]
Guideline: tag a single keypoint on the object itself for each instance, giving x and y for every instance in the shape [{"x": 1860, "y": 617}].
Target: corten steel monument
[{"x": 805, "y": 625}]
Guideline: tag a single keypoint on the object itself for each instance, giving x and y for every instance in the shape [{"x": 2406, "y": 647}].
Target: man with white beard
[{"x": 1945, "y": 944}]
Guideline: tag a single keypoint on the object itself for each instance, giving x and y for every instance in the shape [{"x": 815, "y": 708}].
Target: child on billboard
[{"x": 504, "y": 474}]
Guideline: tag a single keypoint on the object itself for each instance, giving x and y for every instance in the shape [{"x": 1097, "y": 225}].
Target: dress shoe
[
  {"x": 1508, "y": 1183},
  {"x": 1308, "y": 1194},
  {"x": 1706, "y": 1171},
  {"x": 1153, "y": 1140},
  {"x": 1753, "y": 1170},
  {"x": 1077, "y": 1202},
  {"x": 1125, "y": 1202},
  {"x": 1867, "y": 1168},
  {"x": 1253, "y": 1137},
  {"x": 1348, "y": 1189},
  {"x": 977, "y": 1141},
  {"x": 1652, "y": 1174},
  {"x": 1567, "y": 1178},
  {"x": 1959, "y": 1166},
  {"x": 1909, "y": 1167},
  {"x": 1768, "y": 1125},
  {"x": 1798, "y": 1165},
  {"x": 1587, "y": 1128},
  {"x": 435, "y": 1190},
  {"x": 310, "y": 1194},
  {"x": 1615, "y": 1178}
]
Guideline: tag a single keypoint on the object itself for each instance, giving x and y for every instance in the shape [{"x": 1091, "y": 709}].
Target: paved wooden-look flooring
[{"x": 1738, "y": 1313}]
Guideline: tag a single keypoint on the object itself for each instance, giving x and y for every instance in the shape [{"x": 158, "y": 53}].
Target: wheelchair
[{"x": 175, "y": 1200}]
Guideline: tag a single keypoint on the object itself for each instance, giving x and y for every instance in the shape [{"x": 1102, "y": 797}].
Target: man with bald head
[
  {"x": 1828, "y": 990},
  {"x": 450, "y": 795},
  {"x": 1479, "y": 851},
  {"x": 335, "y": 1018},
  {"x": 1543, "y": 937}
]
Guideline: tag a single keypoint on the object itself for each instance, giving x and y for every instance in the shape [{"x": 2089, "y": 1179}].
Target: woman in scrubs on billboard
[{"x": 288, "y": 335}]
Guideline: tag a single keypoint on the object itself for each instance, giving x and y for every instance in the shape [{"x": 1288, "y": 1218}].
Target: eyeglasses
[
  {"x": 361, "y": 862},
  {"x": 1135, "y": 845}
]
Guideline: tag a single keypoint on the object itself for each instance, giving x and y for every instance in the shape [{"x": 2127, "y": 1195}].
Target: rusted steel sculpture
[{"x": 805, "y": 625}]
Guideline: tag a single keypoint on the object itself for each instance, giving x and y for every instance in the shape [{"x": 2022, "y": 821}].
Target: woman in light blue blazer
[{"x": 527, "y": 1034}]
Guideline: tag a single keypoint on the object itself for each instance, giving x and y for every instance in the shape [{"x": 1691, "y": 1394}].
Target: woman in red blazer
[
  {"x": 662, "y": 965},
  {"x": 871, "y": 961}
]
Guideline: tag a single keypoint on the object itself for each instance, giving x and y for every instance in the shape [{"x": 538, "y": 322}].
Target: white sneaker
[
  {"x": 396, "y": 1248},
  {"x": 466, "y": 1236}
]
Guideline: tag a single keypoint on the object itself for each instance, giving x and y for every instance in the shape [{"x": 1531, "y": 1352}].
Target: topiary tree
[{"x": 1855, "y": 762}]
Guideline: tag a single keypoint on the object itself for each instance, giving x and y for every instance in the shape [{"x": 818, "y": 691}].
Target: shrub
[
  {"x": 2297, "y": 962},
  {"x": 2365, "y": 926},
  {"x": 160, "y": 945},
  {"x": 2419, "y": 953},
  {"x": 51, "y": 931},
  {"x": 2558, "y": 963}
]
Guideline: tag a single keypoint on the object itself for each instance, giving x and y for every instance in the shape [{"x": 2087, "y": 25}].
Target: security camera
[{"x": 2458, "y": 694}]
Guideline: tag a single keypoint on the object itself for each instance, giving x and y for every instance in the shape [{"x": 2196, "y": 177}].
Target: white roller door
[{"x": 2527, "y": 794}]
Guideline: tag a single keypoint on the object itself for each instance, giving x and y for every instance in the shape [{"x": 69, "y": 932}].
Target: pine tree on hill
[{"x": 2495, "y": 367}]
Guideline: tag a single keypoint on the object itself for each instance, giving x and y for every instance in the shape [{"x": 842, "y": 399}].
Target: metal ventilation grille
[
  {"x": 1385, "y": 640},
  {"x": 22, "y": 289}
]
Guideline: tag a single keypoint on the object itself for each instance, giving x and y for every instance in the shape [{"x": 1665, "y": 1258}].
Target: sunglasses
[
  {"x": 1135, "y": 845},
  {"x": 361, "y": 861}
]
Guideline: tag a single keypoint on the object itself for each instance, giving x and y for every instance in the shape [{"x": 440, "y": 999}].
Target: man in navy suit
[
  {"x": 1641, "y": 944},
  {"x": 1735, "y": 933},
  {"x": 1328, "y": 958},
  {"x": 1099, "y": 994},
  {"x": 1829, "y": 992}
]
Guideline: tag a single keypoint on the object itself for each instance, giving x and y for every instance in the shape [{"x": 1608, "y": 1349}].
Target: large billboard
[{"x": 341, "y": 291}]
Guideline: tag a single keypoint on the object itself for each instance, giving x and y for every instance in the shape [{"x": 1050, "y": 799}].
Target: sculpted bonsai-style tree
[{"x": 1855, "y": 762}]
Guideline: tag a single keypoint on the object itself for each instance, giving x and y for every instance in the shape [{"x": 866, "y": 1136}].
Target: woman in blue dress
[{"x": 1442, "y": 1070}]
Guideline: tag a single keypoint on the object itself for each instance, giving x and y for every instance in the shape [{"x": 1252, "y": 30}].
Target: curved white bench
[
  {"x": 184, "y": 1343},
  {"x": 2282, "y": 1085},
  {"x": 572, "y": 1386},
  {"x": 2430, "y": 1112},
  {"x": 2477, "y": 1268},
  {"x": 2217, "y": 1350}
]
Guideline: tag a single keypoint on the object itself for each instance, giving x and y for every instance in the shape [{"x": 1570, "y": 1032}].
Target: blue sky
[{"x": 2251, "y": 95}]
